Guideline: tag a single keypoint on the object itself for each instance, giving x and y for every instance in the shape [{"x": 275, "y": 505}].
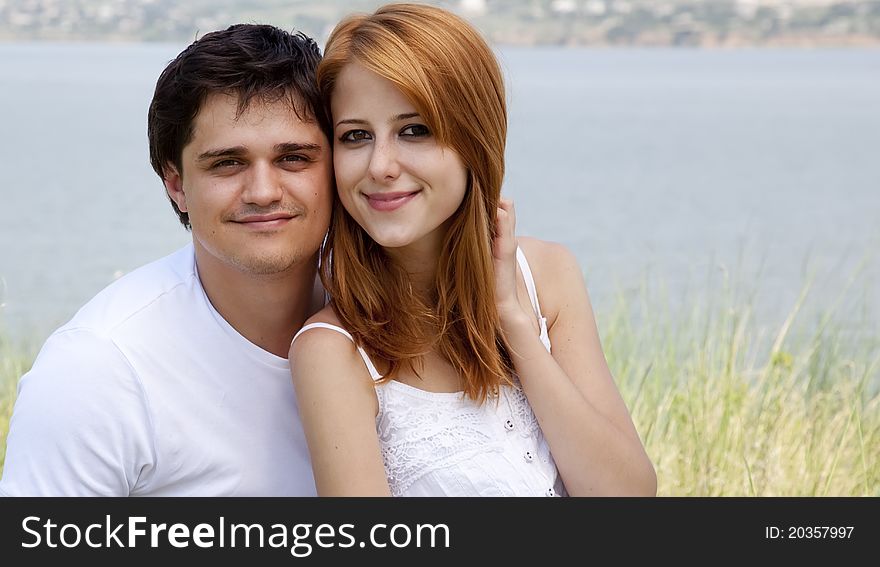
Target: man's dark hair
[{"x": 245, "y": 60}]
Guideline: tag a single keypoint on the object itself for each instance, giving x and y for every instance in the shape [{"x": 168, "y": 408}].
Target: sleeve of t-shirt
[{"x": 81, "y": 422}]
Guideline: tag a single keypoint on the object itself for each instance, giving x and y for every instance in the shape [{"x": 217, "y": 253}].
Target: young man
[{"x": 174, "y": 380}]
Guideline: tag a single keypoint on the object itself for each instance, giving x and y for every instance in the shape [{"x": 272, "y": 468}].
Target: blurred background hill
[{"x": 701, "y": 23}]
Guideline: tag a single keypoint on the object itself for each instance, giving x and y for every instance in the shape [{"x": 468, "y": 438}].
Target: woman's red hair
[{"x": 446, "y": 69}]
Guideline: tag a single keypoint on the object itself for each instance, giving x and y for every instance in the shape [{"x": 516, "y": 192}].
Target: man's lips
[
  {"x": 391, "y": 200},
  {"x": 273, "y": 220}
]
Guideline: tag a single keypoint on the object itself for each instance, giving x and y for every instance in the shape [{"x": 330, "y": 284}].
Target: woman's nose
[{"x": 384, "y": 164}]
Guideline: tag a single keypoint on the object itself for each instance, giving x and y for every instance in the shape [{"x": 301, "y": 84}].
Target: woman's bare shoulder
[
  {"x": 546, "y": 258},
  {"x": 557, "y": 273},
  {"x": 329, "y": 372},
  {"x": 318, "y": 341},
  {"x": 325, "y": 315}
]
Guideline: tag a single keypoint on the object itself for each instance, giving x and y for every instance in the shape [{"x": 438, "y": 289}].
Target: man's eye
[
  {"x": 225, "y": 163},
  {"x": 294, "y": 158},
  {"x": 354, "y": 136},
  {"x": 416, "y": 131}
]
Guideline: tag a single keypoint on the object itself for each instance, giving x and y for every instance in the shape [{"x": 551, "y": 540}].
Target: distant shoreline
[
  {"x": 859, "y": 42},
  {"x": 531, "y": 23}
]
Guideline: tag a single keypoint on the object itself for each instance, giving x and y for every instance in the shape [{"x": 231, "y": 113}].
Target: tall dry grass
[
  {"x": 728, "y": 406},
  {"x": 15, "y": 360}
]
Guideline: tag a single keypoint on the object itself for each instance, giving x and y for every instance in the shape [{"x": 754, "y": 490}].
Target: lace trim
[
  {"x": 522, "y": 413},
  {"x": 420, "y": 432}
]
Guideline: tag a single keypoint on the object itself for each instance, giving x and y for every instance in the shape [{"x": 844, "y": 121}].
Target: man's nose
[{"x": 264, "y": 185}]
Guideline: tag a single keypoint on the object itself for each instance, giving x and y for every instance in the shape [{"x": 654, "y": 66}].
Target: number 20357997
[{"x": 808, "y": 532}]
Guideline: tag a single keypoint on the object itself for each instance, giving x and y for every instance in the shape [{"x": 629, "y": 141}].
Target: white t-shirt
[{"x": 148, "y": 391}]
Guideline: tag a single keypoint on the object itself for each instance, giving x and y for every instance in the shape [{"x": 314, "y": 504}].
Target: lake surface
[{"x": 673, "y": 167}]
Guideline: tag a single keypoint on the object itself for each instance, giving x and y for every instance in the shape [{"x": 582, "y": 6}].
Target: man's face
[{"x": 257, "y": 187}]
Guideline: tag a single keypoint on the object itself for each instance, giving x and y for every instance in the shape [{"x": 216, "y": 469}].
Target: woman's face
[{"x": 393, "y": 177}]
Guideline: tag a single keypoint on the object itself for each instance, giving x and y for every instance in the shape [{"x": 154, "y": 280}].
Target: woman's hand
[{"x": 504, "y": 253}]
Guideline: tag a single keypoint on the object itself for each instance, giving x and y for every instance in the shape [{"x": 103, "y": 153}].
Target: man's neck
[{"x": 267, "y": 310}]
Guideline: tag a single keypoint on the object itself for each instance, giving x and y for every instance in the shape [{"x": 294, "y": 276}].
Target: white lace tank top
[{"x": 445, "y": 444}]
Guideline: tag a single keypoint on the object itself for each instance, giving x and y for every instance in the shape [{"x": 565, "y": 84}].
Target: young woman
[{"x": 431, "y": 371}]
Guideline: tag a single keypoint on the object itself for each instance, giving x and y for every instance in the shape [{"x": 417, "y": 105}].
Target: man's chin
[
  {"x": 268, "y": 265},
  {"x": 254, "y": 258}
]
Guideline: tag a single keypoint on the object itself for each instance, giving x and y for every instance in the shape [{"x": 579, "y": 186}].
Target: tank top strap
[
  {"x": 530, "y": 281},
  {"x": 369, "y": 363}
]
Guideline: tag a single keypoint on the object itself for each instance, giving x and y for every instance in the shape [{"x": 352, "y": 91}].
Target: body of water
[{"x": 674, "y": 166}]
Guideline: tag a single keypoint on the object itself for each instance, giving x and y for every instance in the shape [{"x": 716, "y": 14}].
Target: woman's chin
[{"x": 393, "y": 241}]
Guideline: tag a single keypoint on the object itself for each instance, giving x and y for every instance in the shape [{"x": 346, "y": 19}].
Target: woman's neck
[{"x": 419, "y": 260}]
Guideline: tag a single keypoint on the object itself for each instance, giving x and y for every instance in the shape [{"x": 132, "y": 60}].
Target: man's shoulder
[
  {"x": 136, "y": 292},
  {"x": 84, "y": 371}
]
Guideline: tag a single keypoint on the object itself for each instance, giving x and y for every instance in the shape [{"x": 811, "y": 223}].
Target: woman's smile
[{"x": 390, "y": 201}]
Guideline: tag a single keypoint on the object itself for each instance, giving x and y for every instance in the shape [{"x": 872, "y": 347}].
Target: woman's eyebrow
[
  {"x": 351, "y": 121},
  {"x": 395, "y": 118},
  {"x": 405, "y": 116}
]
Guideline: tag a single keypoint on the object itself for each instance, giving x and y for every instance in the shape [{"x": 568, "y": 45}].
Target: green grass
[
  {"x": 726, "y": 406},
  {"x": 14, "y": 361}
]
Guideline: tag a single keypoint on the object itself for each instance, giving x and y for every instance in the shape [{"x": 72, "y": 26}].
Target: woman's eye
[
  {"x": 416, "y": 130},
  {"x": 354, "y": 136}
]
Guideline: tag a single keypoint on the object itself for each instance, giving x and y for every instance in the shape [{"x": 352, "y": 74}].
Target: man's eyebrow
[
  {"x": 284, "y": 148},
  {"x": 289, "y": 147},
  {"x": 211, "y": 154}
]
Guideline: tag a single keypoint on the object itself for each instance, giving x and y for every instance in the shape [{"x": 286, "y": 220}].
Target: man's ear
[{"x": 174, "y": 187}]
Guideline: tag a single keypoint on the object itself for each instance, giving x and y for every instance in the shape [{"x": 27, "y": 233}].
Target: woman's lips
[{"x": 390, "y": 201}]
